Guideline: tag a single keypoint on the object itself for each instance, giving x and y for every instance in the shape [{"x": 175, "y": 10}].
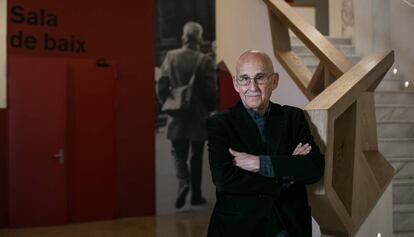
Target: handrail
[
  {"x": 342, "y": 117},
  {"x": 409, "y": 3},
  {"x": 311, "y": 37},
  {"x": 354, "y": 82},
  {"x": 282, "y": 16}
]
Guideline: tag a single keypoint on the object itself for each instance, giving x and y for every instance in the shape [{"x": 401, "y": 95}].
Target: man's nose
[{"x": 253, "y": 85}]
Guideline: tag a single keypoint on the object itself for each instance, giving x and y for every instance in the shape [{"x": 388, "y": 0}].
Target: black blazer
[{"x": 249, "y": 204}]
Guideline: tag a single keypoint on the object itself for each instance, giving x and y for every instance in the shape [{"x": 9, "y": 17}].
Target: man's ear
[
  {"x": 275, "y": 80},
  {"x": 236, "y": 88}
]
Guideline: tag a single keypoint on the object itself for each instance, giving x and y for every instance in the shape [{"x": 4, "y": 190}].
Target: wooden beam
[
  {"x": 316, "y": 84},
  {"x": 289, "y": 60},
  {"x": 346, "y": 89},
  {"x": 332, "y": 57}
]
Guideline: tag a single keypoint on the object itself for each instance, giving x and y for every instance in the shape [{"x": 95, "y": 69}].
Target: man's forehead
[
  {"x": 252, "y": 66},
  {"x": 254, "y": 62}
]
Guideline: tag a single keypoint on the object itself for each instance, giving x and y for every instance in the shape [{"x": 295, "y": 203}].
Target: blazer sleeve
[
  {"x": 227, "y": 177},
  {"x": 303, "y": 168}
]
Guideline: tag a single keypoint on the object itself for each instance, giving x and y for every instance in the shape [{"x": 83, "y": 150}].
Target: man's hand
[
  {"x": 302, "y": 149},
  {"x": 245, "y": 161}
]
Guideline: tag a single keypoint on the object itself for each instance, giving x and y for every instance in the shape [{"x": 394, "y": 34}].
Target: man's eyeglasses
[{"x": 260, "y": 79}]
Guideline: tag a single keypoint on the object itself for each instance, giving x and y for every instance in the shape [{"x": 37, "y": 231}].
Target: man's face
[{"x": 255, "y": 95}]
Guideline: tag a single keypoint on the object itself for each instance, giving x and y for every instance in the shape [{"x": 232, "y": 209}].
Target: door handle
[{"x": 60, "y": 156}]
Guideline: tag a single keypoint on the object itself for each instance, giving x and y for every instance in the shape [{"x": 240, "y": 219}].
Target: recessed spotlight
[
  {"x": 406, "y": 84},
  {"x": 395, "y": 71}
]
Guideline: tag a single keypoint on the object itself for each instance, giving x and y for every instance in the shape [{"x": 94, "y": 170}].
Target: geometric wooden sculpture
[
  {"x": 341, "y": 112},
  {"x": 356, "y": 174}
]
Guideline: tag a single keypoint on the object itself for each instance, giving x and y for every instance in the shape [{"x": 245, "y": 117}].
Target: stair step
[
  {"x": 403, "y": 217},
  {"x": 389, "y": 85},
  {"x": 334, "y": 40},
  {"x": 396, "y": 146},
  {"x": 394, "y": 111},
  {"x": 403, "y": 191},
  {"x": 404, "y": 234},
  {"x": 403, "y": 166},
  {"x": 395, "y": 128},
  {"x": 312, "y": 68},
  {"x": 345, "y": 49},
  {"x": 310, "y": 59},
  {"x": 394, "y": 97}
]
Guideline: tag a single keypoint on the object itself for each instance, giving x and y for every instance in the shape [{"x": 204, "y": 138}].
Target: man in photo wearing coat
[{"x": 187, "y": 130}]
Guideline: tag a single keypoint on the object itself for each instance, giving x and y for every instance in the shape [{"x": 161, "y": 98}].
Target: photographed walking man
[{"x": 187, "y": 130}]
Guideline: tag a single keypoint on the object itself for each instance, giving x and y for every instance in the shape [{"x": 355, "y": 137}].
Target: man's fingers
[
  {"x": 305, "y": 151},
  {"x": 297, "y": 148},
  {"x": 241, "y": 160},
  {"x": 238, "y": 154},
  {"x": 245, "y": 164},
  {"x": 234, "y": 153},
  {"x": 303, "y": 148}
]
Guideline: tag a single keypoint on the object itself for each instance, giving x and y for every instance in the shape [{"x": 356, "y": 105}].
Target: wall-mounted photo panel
[{"x": 186, "y": 95}]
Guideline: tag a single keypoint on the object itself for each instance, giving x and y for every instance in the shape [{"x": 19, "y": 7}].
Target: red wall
[
  {"x": 120, "y": 31},
  {"x": 228, "y": 96},
  {"x": 3, "y": 168}
]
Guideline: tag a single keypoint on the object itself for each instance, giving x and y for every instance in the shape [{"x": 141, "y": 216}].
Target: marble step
[
  {"x": 312, "y": 67},
  {"x": 389, "y": 85},
  {"x": 394, "y": 97},
  {"x": 403, "y": 166},
  {"x": 394, "y": 111},
  {"x": 345, "y": 49},
  {"x": 403, "y": 217},
  {"x": 396, "y": 146},
  {"x": 395, "y": 128},
  {"x": 388, "y": 76},
  {"x": 403, "y": 191},
  {"x": 334, "y": 40},
  {"x": 404, "y": 234},
  {"x": 310, "y": 59}
]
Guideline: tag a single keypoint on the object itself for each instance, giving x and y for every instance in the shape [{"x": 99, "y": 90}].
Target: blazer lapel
[
  {"x": 247, "y": 128},
  {"x": 274, "y": 127}
]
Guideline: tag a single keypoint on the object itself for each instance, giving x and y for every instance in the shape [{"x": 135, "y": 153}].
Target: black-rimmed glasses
[{"x": 260, "y": 79}]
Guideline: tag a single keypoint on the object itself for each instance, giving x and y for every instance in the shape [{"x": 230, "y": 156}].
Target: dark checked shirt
[{"x": 266, "y": 168}]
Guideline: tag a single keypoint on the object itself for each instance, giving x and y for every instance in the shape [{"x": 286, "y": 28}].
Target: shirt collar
[{"x": 255, "y": 115}]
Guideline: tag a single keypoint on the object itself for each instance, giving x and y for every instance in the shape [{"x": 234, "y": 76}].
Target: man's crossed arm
[{"x": 251, "y": 163}]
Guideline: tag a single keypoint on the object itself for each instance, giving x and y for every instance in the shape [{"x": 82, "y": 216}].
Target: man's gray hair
[{"x": 192, "y": 32}]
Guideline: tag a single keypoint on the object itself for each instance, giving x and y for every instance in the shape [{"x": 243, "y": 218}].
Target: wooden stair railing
[
  {"x": 342, "y": 114},
  {"x": 333, "y": 63},
  {"x": 356, "y": 174}
]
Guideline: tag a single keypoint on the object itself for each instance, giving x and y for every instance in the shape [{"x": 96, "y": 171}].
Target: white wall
[
  {"x": 240, "y": 27},
  {"x": 402, "y": 35},
  {"x": 308, "y": 13},
  {"x": 363, "y": 27},
  {"x": 3, "y": 46},
  {"x": 372, "y": 26},
  {"x": 335, "y": 22},
  {"x": 382, "y": 25}
]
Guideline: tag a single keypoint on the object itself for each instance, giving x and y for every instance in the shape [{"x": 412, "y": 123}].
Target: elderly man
[
  {"x": 261, "y": 157},
  {"x": 187, "y": 131}
]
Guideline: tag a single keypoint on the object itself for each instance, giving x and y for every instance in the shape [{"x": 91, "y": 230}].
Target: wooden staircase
[
  {"x": 341, "y": 110},
  {"x": 395, "y": 127}
]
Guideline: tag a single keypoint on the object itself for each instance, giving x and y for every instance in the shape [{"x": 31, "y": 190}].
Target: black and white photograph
[{"x": 186, "y": 94}]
